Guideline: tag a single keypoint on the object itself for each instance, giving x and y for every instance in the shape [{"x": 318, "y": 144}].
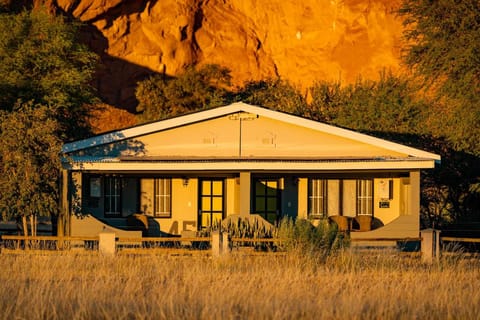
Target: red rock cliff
[{"x": 301, "y": 41}]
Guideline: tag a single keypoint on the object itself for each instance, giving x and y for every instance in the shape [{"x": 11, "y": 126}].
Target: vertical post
[
  {"x": 414, "y": 205},
  {"x": 437, "y": 243},
  {"x": 106, "y": 243},
  {"x": 245, "y": 182},
  {"x": 430, "y": 246},
  {"x": 225, "y": 244},
  {"x": 215, "y": 243},
  {"x": 302, "y": 192},
  {"x": 65, "y": 204}
]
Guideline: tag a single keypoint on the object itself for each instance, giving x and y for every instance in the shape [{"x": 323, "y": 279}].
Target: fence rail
[
  {"x": 73, "y": 242},
  {"x": 259, "y": 240},
  {"x": 177, "y": 245},
  {"x": 460, "y": 239},
  {"x": 385, "y": 239}
]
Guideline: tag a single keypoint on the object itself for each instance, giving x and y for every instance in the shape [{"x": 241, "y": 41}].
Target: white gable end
[{"x": 241, "y": 131}]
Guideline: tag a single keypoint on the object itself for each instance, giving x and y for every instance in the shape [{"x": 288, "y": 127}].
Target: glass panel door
[
  {"x": 211, "y": 202},
  {"x": 267, "y": 199}
]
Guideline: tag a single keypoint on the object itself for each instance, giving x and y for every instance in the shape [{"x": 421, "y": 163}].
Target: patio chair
[
  {"x": 342, "y": 222},
  {"x": 364, "y": 222}
]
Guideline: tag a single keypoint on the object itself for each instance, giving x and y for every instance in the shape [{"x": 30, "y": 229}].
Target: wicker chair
[
  {"x": 341, "y": 221},
  {"x": 364, "y": 222}
]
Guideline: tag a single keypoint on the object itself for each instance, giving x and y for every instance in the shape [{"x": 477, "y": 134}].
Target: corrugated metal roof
[{"x": 83, "y": 159}]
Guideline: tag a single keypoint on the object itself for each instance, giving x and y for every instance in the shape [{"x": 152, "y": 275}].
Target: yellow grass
[{"x": 374, "y": 285}]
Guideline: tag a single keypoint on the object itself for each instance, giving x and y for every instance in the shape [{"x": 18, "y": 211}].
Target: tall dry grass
[{"x": 345, "y": 286}]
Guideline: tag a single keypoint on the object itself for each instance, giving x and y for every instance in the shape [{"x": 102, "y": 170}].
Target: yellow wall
[
  {"x": 386, "y": 215},
  {"x": 232, "y": 191},
  {"x": 399, "y": 204},
  {"x": 260, "y": 137},
  {"x": 303, "y": 198},
  {"x": 184, "y": 205},
  {"x": 265, "y": 136}
]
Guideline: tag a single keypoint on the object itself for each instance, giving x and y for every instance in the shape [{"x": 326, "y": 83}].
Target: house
[{"x": 189, "y": 172}]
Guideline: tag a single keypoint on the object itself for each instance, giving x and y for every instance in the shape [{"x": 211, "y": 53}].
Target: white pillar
[
  {"x": 430, "y": 246},
  {"x": 215, "y": 243},
  {"x": 245, "y": 182},
  {"x": 414, "y": 205},
  {"x": 106, "y": 243},
  {"x": 225, "y": 244}
]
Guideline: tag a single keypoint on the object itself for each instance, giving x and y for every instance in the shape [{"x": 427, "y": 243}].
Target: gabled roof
[{"x": 166, "y": 124}]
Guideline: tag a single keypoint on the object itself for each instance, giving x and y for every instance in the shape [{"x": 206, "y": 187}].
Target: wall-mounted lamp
[{"x": 185, "y": 181}]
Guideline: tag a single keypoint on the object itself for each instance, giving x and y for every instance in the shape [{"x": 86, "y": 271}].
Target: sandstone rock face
[{"x": 301, "y": 41}]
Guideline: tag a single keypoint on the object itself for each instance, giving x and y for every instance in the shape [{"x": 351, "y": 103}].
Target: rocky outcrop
[{"x": 302, "y": 41}]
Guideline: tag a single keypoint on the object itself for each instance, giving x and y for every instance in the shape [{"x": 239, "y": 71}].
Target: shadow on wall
[
  {"x": 130, "y": 148},
  {"x": 148, "y": 225}
]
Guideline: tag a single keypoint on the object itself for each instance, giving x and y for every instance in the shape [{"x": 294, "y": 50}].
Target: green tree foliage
[
  {"x": 29, "y": 162},
  {"x": 444, "y": 51},
  {"x": 386, "y": 106},
  {"x": 44, "y": 88},
  {"x": 274, "y": 94},
  {"x": 43, "y": 62},
  {"x": 195, "y": 89}
]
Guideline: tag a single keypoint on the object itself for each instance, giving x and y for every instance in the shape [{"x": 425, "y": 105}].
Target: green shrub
[
  {"x": 247, "y": 228},
  {"x": 302, "y": 235}
]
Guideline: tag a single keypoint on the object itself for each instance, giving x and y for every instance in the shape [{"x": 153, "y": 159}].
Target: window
[
  {"x": 317, "y": 198},
  {"x": 113, "y": 191},
  {"x": 91, "y": 191},
  {"x": 364, "y": 197},
  {"x": 267, "y": 199},
  {"x": 162, "y": 190}
]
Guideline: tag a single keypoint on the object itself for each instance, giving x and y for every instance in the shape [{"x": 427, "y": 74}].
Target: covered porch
[{"x": 171, "y": 202}]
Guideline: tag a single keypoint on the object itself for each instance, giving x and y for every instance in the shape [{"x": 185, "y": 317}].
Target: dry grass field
[{"x": 376, "y": 285}]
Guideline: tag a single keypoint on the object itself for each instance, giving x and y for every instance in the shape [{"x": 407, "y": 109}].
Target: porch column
[
  {"x": 414, "y": 193},
  {"x": 245, "y": 181},
  {"x": 302, "y": 186},
  {"x": 414, "y": 208}
]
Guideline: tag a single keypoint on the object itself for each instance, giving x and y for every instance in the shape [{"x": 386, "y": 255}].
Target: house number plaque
[{"x": 384, "y": 204}]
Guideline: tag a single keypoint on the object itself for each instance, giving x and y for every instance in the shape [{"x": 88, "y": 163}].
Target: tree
[
  {"x": 29, "y": 163},
  {"x": 43, "y": 62},
  {"x": 392, "y": 108},
  {"x": 444, "y": 51},
  {"x": 381, "y": 107},
  {"x": 44, "y": 91},
  {"x": 195, "y": 89},
  {"x": 275, "y": 94}
]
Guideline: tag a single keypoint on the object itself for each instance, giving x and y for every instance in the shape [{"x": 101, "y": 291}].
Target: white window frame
[
  {"x": 162, "y": 197},
  {"x": 317, "y": 197},
  {"x": 365, "y": 197}
]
